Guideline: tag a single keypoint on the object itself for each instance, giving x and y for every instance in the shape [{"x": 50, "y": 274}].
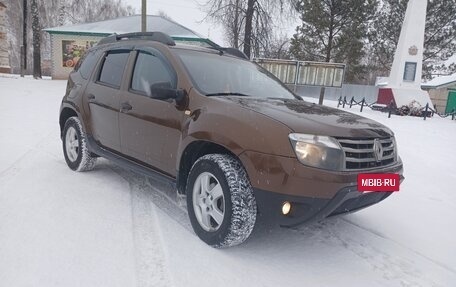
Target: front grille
[{"x": 366, "y": 153}]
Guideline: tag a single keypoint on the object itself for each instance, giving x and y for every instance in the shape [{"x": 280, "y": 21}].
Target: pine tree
[{"x": 334, "y": 31}]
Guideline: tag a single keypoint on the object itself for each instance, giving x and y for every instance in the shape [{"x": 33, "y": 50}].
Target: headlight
[{"x": 318, "y": 151}]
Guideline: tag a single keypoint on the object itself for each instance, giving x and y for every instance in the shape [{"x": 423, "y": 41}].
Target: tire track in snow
[
  {"x": 17, "y": 166},
  {"x": 390, "y": 266},
  {"x": 448, "y": 268},
  {"x": 150, "y": 258}
]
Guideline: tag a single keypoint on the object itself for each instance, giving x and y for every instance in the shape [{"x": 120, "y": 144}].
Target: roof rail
[
  {"x": 152, "y": 36},
  {"x": 168, "y": 40}
]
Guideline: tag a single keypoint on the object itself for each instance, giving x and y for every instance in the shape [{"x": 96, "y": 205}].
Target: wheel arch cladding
[
  {"x": 65, "y": 114},
  {"x": 191, "y": 154}
]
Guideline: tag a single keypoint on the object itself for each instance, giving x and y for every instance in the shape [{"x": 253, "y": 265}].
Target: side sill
[{"x": 130, "y": 164}]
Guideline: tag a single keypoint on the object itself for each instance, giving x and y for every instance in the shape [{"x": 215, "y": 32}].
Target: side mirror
[{"x": 164, "y": 91}]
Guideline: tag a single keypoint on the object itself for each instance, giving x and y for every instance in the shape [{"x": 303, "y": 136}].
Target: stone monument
[
  {"x": 4, "y": 55},
  {"x": 404, "y": 83}
]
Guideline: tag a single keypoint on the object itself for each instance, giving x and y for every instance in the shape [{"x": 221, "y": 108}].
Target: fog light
[{"x": 286, "y": 207}]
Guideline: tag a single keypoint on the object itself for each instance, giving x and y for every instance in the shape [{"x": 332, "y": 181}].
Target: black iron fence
[{"x": 424, "y": 112}]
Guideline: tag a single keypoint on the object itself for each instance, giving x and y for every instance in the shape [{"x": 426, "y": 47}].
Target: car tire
[
  {"x": 77, "y": 155},
  {"x": 220, "y": 201}
]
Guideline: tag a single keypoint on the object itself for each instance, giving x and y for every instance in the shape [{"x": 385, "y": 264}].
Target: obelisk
[{"x": 404, "y": 83}]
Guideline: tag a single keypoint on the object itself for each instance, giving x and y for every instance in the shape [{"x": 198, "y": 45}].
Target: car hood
[{"x": 304, "y": 117}]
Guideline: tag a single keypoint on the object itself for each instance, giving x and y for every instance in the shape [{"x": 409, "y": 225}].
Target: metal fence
[
  {"x": 424, "y": 112},
  {"x": 369, "y": 93}
]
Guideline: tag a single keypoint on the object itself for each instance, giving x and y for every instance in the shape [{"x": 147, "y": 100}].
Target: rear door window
[
  {"x": 113, "y": 68},
  {"x": 87, "y": 64}
]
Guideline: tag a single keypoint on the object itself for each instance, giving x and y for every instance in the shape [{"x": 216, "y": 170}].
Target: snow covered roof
[
  {"x": 440, "y": 82},
  {"x": 127, "y": 25}
]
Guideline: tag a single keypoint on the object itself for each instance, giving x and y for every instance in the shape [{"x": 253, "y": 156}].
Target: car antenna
[{"x": 218, "y": 48}]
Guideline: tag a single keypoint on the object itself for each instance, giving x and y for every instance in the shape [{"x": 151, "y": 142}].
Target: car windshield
[{"x": 223, "y": 75}]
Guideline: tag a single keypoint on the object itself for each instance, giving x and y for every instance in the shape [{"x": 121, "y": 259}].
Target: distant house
[
  {"x": 68, "y": 43},
  {"x": 442, "y": 91}
]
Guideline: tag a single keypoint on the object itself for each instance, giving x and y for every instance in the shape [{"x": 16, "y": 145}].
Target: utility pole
[
  {"x": 144, "y": 16},
  {"x": 322, "y": 95},
  {"x": 24, "y": 38}
]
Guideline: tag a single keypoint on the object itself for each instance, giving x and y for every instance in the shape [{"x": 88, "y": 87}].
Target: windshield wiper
[{"x": 227, "y": 94}]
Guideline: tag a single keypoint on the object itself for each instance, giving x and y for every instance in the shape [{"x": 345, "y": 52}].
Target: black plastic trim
[
  {"x": 307, "y": 209},
  {"x": 130, "y": 164}
]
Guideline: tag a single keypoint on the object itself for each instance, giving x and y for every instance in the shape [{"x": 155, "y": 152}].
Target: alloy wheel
[{"x": 208, "y": 202}]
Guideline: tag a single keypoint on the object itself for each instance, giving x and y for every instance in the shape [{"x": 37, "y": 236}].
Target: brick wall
[{"x": 4, "y": 55}]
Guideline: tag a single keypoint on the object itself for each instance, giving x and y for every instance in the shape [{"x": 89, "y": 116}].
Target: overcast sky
[
  {"x": 189, "y": 14},
  {"x": 185, "y": 12}
]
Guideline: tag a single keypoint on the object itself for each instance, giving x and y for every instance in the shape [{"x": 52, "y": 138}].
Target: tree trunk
[
  {"x": 236, "y": 26},
  {"x": 248, "y": 27},
  {"x": 24, "y": 36},
  {"x": 36, "y": 29},
  {"x": 330, "y": 37},
  {"x": 328, "y": 53}
]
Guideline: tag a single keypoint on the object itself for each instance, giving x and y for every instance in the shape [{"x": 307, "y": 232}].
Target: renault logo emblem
[{"x": 378, "y": 150}]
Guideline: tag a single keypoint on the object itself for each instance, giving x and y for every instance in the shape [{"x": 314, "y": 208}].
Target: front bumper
[
  {"x": 314, "y": 193},
  {"x": 311, "y": 209},
  {"x": 287, "y": 176}
]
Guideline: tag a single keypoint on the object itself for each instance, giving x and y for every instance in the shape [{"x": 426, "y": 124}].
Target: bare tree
[
  {"x": 248, "y": 24},
  {"x": 83, "y": 11},
  {"x": 163, "y": 14},
  {"x": 277, "y": 47},
  {"x": 52, "y": 13}
]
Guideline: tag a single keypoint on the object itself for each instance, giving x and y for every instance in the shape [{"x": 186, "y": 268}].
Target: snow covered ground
[{"x": 111, "y": 227}]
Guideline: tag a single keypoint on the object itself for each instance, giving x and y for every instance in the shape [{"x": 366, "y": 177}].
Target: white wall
[{"x": 60, "y": 69}]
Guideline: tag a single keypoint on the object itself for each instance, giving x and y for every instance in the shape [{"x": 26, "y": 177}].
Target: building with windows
[{"x": 68, "y": 43}]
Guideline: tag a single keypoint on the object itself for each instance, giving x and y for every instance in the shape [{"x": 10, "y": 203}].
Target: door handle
[
  {"x": 124, "y": 107},
  {"x": 91, "y": 97}
]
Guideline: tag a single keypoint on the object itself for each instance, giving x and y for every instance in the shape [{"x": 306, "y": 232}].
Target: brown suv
[{"x": 225, "y": 132}]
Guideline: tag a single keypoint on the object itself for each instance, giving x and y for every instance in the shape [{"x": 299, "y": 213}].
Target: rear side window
[
  {"x": 149, "y": 70},
  {"x": 113, "y": 68},
  {"x": 87, "y": 65}
]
